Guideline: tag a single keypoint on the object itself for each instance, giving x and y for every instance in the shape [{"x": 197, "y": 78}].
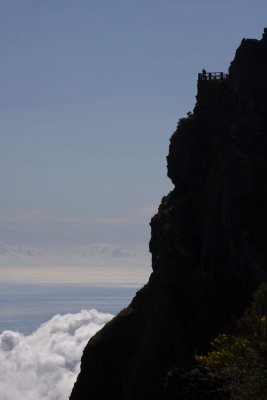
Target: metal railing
[{"x": 212, "y": 76}]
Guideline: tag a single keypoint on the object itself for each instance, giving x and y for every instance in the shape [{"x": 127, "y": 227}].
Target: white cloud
[
  {"x": 92, "y": 250},
  {"x": 108, "y": 251},
  {"x": 45, "y": 364},
  {"x": 12, "y": 250},
  {"x": 3, "y": 249}
]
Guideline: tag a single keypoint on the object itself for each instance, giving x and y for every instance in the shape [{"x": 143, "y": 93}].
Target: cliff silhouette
[{"x": 208, "y": 243}]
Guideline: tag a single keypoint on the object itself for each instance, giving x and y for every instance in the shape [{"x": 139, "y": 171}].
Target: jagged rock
[{"x": 208, "y": 243}]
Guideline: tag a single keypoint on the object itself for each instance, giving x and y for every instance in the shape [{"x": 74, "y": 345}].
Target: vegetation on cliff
[{"x": 237, "y": 364}]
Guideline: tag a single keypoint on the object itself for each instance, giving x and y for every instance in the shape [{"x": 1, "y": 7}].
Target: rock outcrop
[{"x": 208, "y": 243}]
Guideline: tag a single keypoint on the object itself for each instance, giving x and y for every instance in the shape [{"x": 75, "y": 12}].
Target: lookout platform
[{"x": 212, "y": 76}]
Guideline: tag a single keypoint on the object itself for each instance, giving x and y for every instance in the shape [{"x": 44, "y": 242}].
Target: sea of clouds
[{"x": 45, "y": 364}]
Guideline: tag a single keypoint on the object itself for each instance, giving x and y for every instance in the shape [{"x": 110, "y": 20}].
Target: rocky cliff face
[{"x": 208, "y": 243}]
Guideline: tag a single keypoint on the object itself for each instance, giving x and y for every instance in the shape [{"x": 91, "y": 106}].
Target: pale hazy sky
[{"x": 91, "y": 91}]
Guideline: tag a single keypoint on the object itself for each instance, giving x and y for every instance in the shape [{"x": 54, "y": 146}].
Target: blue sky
[{"x": 90, "y": 93}]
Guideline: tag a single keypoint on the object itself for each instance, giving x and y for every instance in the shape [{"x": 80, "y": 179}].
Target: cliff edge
[{"x": 208, "y": 242}]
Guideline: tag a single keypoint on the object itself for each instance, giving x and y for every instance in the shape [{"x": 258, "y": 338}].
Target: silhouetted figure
[
  {"x": 204, "y": 74},
  {"x": 264, "y": 36}
]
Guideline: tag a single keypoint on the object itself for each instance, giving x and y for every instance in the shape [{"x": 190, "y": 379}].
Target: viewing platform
[{"x": 212, "y": 76}]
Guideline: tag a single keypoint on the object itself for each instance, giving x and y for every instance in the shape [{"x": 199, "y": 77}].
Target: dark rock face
[{"x": 208, "y": 244}]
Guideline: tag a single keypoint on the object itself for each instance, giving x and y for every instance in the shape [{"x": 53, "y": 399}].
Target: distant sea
[{"x": 24, "y": 306}]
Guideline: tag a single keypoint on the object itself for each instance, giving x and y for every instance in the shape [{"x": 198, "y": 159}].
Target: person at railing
[{"x": 204, "y": 72}]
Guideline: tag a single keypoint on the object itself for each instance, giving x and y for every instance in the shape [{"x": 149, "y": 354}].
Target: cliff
[{"x": 208, "y": 243}]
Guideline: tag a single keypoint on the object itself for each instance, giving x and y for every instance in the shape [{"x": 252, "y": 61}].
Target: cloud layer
[{"x": 45, "y": 364}]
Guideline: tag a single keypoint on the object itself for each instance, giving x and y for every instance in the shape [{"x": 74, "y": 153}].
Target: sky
[{"x": 91, "y": 91}]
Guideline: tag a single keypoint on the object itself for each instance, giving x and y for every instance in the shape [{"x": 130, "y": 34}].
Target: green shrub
[{"x": 238, "y": 363}]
